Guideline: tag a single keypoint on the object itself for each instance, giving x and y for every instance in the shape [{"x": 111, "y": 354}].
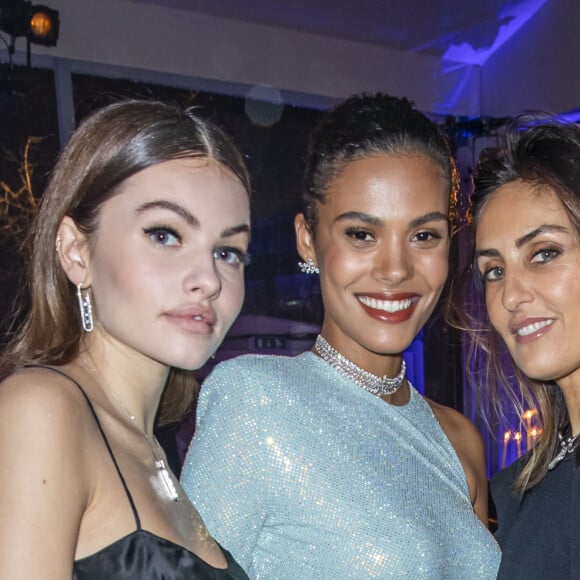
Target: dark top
[
  {"x": 142, "y": 555},
  {"x": 539, "y": 533}
]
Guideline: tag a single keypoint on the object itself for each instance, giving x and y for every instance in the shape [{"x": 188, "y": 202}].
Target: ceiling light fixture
[{"x": 39, "y": 24}]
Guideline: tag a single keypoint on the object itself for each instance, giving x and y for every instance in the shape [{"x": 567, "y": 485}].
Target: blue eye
[
  {"x": 233, "y": 256},
  {"x": 545, "y": 255},
  {"x": 163, "y": 236},
  {"x": 493, "y": 274}
]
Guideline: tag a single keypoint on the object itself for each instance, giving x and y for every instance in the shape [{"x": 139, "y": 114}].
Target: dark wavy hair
[
  {"x": 364, "y": 126},
  {"x": 110, "y": 146},
  {"x": 542, "y": 151}
]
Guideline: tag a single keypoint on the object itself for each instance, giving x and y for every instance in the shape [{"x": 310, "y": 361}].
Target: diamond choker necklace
[{"x": 369, "y": 382}]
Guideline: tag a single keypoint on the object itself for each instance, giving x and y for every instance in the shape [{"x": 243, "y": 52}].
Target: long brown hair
[
  {"x": 107, "y": 148},
  {"x": 542, "y": 151}
]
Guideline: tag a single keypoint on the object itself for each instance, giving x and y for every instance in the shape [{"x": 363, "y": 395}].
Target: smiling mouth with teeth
[
  {"x": 386, "y": 305},
  {"x": 531, "y": 328}
]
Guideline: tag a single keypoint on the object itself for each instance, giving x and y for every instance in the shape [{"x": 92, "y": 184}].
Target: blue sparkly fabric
[{"x": 301, "y": 474}]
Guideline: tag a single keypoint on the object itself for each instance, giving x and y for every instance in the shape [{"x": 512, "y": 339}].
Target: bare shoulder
[
  {"x": 455, "y": 425},
  {"x": 43, "y": 438},
  {"x": 45, "y": 414},
  {"x": 41, "y": 399}
]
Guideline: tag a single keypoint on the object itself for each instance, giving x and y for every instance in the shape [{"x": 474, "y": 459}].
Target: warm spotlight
[
  {"x": 44, "y": 24},
  {"x": 39, "y": 24}
]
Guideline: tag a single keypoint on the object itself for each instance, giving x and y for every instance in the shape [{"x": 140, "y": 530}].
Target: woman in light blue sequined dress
[{"x": 323, "y": 466}]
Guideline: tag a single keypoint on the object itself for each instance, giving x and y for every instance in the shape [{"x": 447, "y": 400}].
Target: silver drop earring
[
  {"x": 86, "y": 308},
  {"x": 308, "y": 267}
]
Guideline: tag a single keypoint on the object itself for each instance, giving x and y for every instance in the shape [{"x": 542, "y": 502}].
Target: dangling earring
[
  {"x": 308, "y": 267},
  {"x": 86, "y": 308}
]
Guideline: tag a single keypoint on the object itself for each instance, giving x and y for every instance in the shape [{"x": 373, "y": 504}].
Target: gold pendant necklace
[{"x": 167, "y": 489}]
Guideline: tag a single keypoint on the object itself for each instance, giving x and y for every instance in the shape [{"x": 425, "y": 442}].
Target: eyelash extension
[
  {"x": 486, "y": 273},
  {"x": 433, "y": 235},
  {"x": 162, "y": 229},
  {"x": 554, "y": 252},
  {"x": 352, "y": 232},
  {"x": 243, "y": 257}
]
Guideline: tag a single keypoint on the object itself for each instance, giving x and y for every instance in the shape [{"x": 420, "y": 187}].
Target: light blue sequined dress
[{"x": 301, "y": 474}]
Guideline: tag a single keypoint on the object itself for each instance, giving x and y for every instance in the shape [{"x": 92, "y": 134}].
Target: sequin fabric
[{"x": 301, "y": 474}]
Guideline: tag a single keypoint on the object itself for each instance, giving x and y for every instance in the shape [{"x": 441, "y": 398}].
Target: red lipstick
[{"x": 392, "y": 308}]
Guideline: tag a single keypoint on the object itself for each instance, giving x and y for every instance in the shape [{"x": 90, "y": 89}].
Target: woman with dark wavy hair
[
  {"x": 526, "y": 206},
  {"x": 330, "y": 464},
  {"x": 136, "y": 274}
]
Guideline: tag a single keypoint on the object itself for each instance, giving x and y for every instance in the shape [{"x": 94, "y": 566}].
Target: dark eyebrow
[
  {"x": 189, "y": 217},
  {"x": 486, "y": 254},
  {"x": 360, "y": 216},
  {"x": 523, "y": 240},
  {"x": 169, "y": 205},
  {"x": 377, "y": 222},
  {"x": 429, "y": 217},
  {"x": 241, "y": 229},
  {"x": 546, "y": 228}
]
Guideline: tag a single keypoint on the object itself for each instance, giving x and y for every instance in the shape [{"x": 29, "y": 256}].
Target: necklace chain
[
  {"x": 368, "y": 381},
  {"x": 167, "y": 483},
  {"x": 567, "y": 446}
]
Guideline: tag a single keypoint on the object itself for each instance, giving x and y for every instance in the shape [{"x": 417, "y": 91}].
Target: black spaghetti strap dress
[{"x": 142, "y": 555}]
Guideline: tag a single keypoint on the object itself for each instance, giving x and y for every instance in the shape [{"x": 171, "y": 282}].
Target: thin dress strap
[{"x": 129, "y": 496}]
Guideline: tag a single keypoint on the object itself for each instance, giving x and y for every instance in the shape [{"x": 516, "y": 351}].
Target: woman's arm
[{"x": 43, "y": 490}]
